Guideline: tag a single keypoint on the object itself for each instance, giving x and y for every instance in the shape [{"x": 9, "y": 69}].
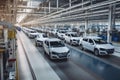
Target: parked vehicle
[
  {"x": 40, "y": 38},
  {"x": 72, "y": 38},
  {"x": 54, "y": 32},
  {"x": 56, "y": 49},
  {"x": 61, "y": 34},
  {"x": 32, "y": 33},
  {"x": 96, "y": 45}
]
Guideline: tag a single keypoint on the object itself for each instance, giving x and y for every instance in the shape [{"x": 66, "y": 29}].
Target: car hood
[
  {"x": 105, "y": 46},
  {"x": 59, "y": 49},
  {"x": 76, "y": 38},
  {"x": 34, "y": 33},
  {"x": 41, "y": 39}
]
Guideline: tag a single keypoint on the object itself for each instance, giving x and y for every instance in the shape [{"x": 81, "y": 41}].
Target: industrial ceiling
[{"x": 55, "y": 11}]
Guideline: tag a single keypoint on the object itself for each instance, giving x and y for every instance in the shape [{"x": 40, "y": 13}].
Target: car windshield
[
  {"x": 56, "y": 44},
  {"x": 74, "y": 35},
  {"x": 62, "y": 32},
  {"x": 33, "y": 31},
  {"x": 100, "y": 41},
  {"x": 45, "y": 35}
]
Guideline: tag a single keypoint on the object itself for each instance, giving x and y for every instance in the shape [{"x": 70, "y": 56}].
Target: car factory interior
[{"x": 59, "y": 39}]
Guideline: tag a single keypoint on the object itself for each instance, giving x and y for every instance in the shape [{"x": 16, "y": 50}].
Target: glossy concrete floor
[
  {"x": 83, "y": 65},
  {"x": 23, "y": 66}
]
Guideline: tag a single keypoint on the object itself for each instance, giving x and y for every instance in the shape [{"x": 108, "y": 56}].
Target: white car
[
  {"x": 32, "y": 33},
  {"x": 61, "y": 34},
  {"x": 56, "y": 49},
  {"x": 40, "y": 38},
  {"x": 72, "y": 38},
  {"x": 96, "y": 45},
  {"x": 54, "y": 32}
]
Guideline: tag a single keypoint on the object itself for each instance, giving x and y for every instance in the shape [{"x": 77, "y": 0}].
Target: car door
[
  {"x": 46, "y": 47},
  {"x": 65, "y": 37},
  {"x": 84, "y": 43},
  {"x": 36, "y": 38},
  {"x": 90, "y": 45},
  {"x": 68, "y": 38}
]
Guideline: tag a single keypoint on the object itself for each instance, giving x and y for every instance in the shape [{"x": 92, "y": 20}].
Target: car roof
[
  {"x": 53, "y": 39},
  {"x": 93, "y": 37},
  {"x": 71, "y": 32},
  {"x": 41, "y": 33}
]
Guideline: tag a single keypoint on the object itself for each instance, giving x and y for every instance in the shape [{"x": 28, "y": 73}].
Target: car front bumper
[
  {"x": 106, "y": 52},
  {"x": 55, "y": 56}
]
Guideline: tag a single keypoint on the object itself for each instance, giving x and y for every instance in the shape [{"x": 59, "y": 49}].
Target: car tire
[
  {"x": 45, "y": 52},
  {"x": 96, "y": 52},
  {"x": 81, "y": 47},
  {"x": 71, "y": 43},
  {"x": 50, "y": 56},
  {"x": 36, "y": 44}
]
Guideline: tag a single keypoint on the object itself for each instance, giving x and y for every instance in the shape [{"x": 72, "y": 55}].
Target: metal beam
[
  {"x": 26, "y": 7},
  {"x": 57, "y": 4},
  {"x": 23, "y": 12},
  {"x": 79, "y": 9},
  {"x": 109, "y": 24}
]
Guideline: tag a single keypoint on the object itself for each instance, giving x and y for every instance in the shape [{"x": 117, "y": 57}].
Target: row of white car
[
  {"x": 56, "y": 48},
  {"x": 29, "y": 32},
  {"x": 53, "y": 47},
  {"x": 93, "y": 43}
]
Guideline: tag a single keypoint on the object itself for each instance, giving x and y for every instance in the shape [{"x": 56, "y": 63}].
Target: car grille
[
  {"x": 110, "y": 50},
  {"x": 62, "y": 54}
]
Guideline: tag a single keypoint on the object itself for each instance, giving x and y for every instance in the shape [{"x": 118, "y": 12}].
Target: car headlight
[{"x": 102, "y": 49}]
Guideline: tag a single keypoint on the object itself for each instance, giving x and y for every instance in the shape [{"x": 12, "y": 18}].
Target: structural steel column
[
  {"x": 49, "y": 7},
  {"x": 82, "y": 3},
  {"x": 57, "y": 5},
  {"x": 113, "y": 16},
  {"x": 55, "y": 26},
  {"x": 69, "y": 3},
  {"x": 86, "y": 26},
  {"x": 109, "y": 24}
]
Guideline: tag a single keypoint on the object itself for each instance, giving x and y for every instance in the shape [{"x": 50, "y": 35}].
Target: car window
[
  {"x": 44, "y": 35},
  {"x": 33, "y": 31},
  {"x": 74, "y": 35},
  {"x": 100, "y": 41},
  {"x": 85, "y": 39},
  {"x": 47, "y": 43},
  {"x": 91, "y": 41},
  {"x": 56, "y": 44},
  {"x": 69, "y": 35}
]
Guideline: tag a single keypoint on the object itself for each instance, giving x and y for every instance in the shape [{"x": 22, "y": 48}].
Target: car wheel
[
  {"x": 36, "y": 44},
  {"x": 96, "y": 52},
  {"x": 50, "y": 56},
  {"x": 81, "y": 47},
  {"x": 44, "y": 51},
  {"x": 70, "y": 42}
]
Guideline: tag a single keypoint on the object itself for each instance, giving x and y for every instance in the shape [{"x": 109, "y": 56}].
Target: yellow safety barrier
[{"x": 11, "y": 34}]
